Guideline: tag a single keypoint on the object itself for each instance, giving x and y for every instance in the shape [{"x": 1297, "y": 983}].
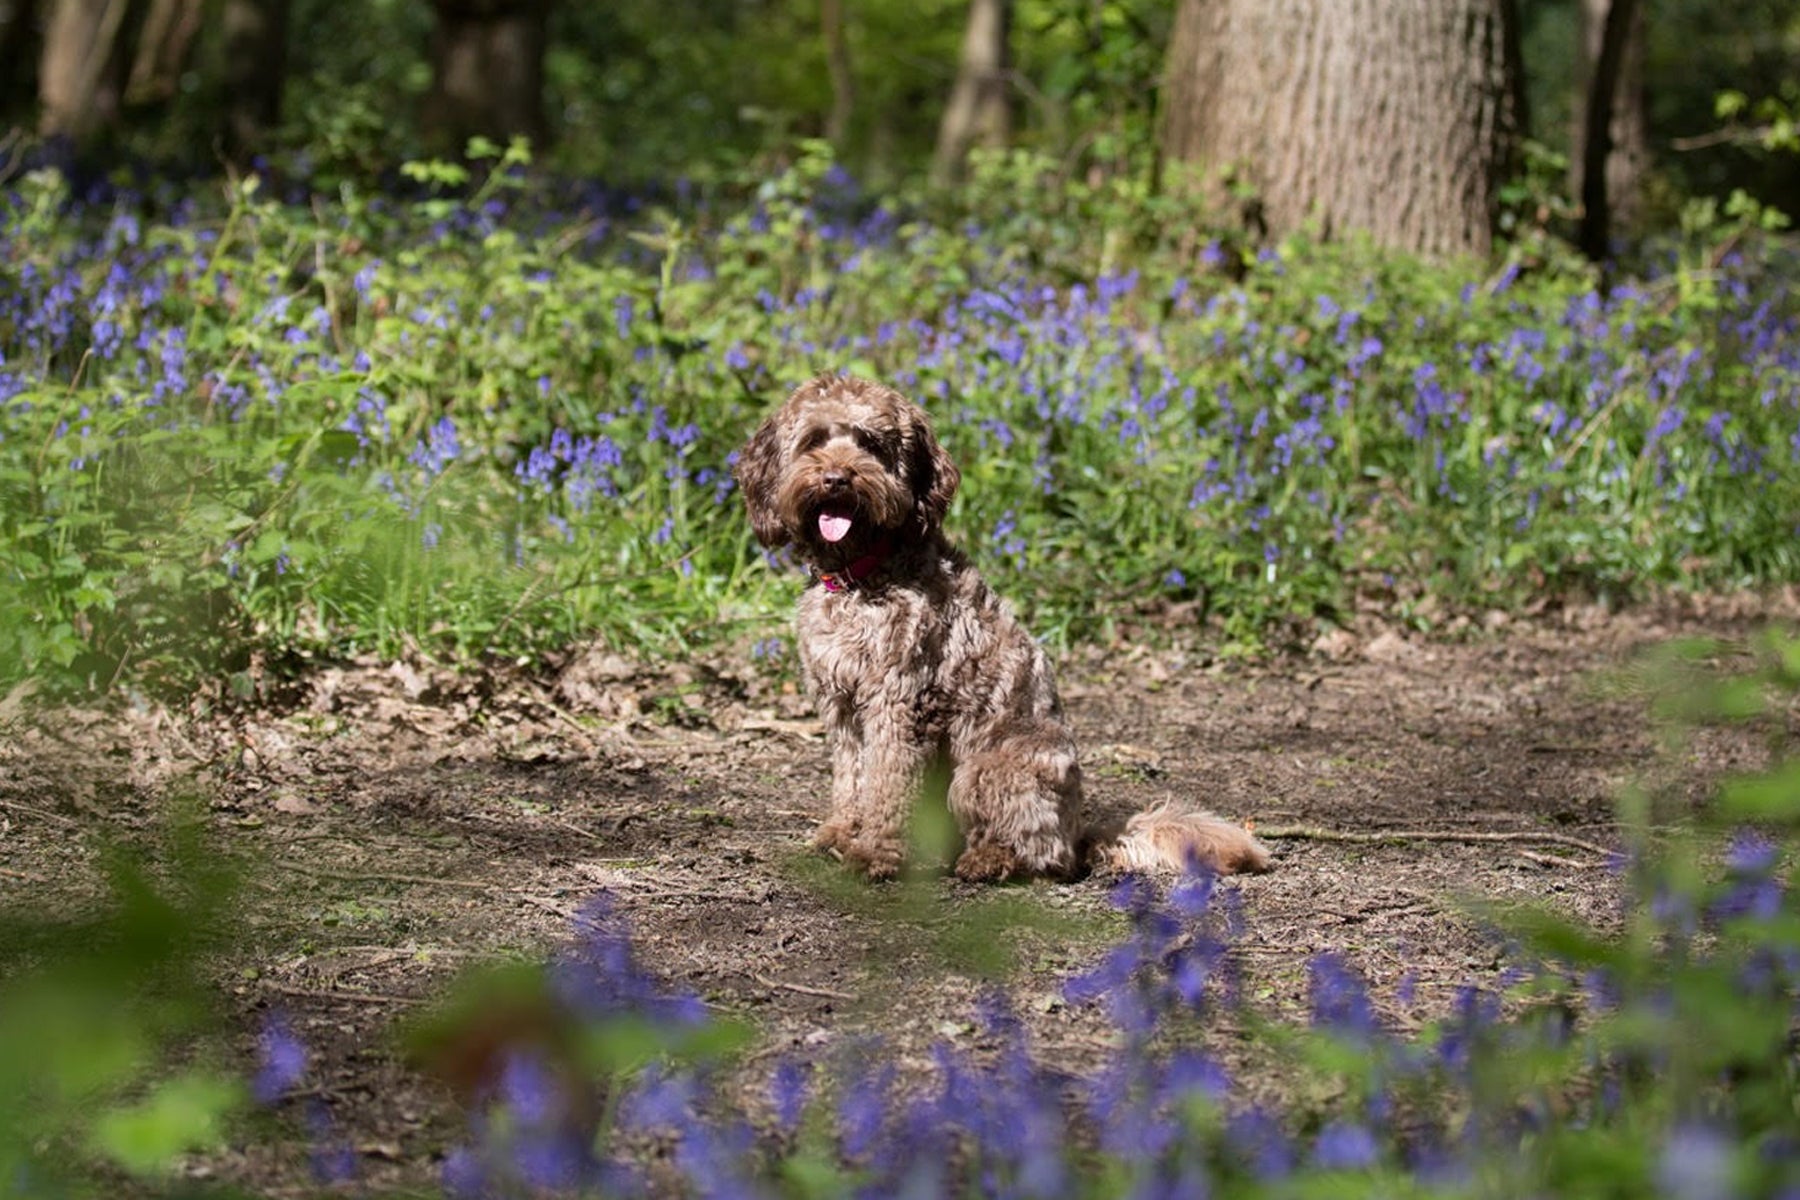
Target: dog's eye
[
  {"x": 870, "y": 442},
  {"x": 811, "y": 440}
]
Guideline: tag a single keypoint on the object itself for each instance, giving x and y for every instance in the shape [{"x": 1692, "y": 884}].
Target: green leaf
[
  {"x": 180, "y": 1114},
  {"x": 1774, "y": 796}
]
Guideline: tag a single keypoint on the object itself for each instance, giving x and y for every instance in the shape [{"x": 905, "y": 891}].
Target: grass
[{"x": 241, "y": 432}]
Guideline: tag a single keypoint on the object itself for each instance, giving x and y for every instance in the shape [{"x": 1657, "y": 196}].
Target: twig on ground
[
  {"x": 53, "y": 818},
  {"x": 22, "y": 876},
  {"x": 382, "y": 877},
  {"x": 1314, "y": 833},
  {"x": 283, "y": 989},
  {"x": 549, "y": 906},
  {"x": 803, "y": 989},
  {"x": 1557, "y": 860}
]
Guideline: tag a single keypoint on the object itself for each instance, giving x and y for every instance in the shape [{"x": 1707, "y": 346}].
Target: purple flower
[
  {"x": 863, "y": 1111},
  {"x": 554, "y": 1159},
  {"x": 1345, "y": 1146},
  {"x": 1667, "y": 422},
  {"x": 438, "y": 449},
  {"x": 1750, "y": 853},
  {"x": 599, "y": 976},
  {"x": 464, "y": 1176},
  {"x": 1340, "y": 1002},
  {"x": 788, "y": 1090},
  {"x": 1753, "y": 890},
  {"x": 282, "y": 1061},
  {"x": 1698, "y": 1162},
  {"x": 1191, "y": 1073},
  {"x": 1258, "y": 1135},
  {"x": 528, "y": 1089},
  {"x": 332, "y": 1159}
]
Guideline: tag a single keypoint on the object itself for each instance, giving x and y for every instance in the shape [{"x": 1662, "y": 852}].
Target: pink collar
[{"x": 856, "y": 572}]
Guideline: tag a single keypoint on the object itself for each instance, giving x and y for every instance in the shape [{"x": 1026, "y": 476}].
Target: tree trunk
[
  {"x": 163, "y": 45},
  {"x": 255, "y": 33},
  {"x": 487, "y": 60},
  {"x": 1394, "y": 117},
  {"x": 980, "y": 108},
  {"x": 81, "y": 74},
  {"x": 1610, "y": 143},
  {"x": 837, "y": 64}
]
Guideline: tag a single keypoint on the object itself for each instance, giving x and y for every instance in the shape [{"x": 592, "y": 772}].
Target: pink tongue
[{"x": 833, "y": 527}]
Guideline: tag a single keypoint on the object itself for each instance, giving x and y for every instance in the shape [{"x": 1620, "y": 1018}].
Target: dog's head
[{"x": 844, "y": 466}]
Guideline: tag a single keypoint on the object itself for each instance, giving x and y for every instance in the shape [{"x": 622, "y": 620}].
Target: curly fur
[{"x": 912, "y": 658}]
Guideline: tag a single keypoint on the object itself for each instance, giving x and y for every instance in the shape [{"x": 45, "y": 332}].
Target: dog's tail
[{"x": 1173, "y": 838}]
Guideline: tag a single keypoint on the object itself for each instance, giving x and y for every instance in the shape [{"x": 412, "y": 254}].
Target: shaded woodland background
[{"x": 1322, "y": 110}]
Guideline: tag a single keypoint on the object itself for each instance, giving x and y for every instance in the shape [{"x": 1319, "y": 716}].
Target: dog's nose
[{"x": 835, "y": 480}]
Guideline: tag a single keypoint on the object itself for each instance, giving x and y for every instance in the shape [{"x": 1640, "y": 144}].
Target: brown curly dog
[{"x": 912, "y": 659}]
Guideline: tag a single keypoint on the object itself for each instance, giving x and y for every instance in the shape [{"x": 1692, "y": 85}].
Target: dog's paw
[
  {"x": 834, "y": 837},
  {"x": 987, "y": 864},
  {"x": 875, "y": 861}
]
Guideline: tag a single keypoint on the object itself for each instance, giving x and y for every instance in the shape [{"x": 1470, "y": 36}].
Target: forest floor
[{"x": 402, "y": 823}]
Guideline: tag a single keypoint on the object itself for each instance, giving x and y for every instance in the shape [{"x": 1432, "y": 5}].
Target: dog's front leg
[
  {"x": 888, "y": 773},
  {"x": 843, "y": 823}
]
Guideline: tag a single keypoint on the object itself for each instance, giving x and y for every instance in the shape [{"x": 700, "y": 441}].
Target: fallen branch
[{"x": 1314, "y": 833}]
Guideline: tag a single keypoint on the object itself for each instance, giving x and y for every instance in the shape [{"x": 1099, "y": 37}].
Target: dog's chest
[{"x": 853, "y": 647}]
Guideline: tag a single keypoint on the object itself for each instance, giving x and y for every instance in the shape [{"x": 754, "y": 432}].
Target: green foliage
[
  {"x": 1687, "y": 1013},
  {"x": 98, "y": 1015},
  {"x": 478, "y": 421}
]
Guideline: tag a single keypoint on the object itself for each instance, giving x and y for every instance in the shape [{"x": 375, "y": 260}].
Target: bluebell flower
[
  {"x": 331, "y": 1158},
  {"x": 862, "y": 1112},
  {"x": 281, "y": 1061},
  {"x": 661, "y": 1100},
  {"x": 437, "y": 449},
  {"x": 788, "y": 1092},
  {"x": 1667, "y": 422},
  {"x": 1192, "y": 1073},
  {"x": 1754, "y": 892},
  {"x": 1345, "y": 1146},
  {"x": 1698, "y": 1162},
  {"x": 528, "y": 1088},
  {"x": 464, "y": 1176},
  {"x": 1256, "y": 1136},
  {"x": 554, "y": 1159},
  {"x": 1340, "y": 1001}
]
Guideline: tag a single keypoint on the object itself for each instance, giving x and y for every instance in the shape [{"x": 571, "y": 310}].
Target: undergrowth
[{"x": 244, "y": 426}]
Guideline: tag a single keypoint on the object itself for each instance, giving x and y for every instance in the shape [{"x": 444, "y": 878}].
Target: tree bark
[
  {"x": 1611, "y": 138},
  {"x": 980, "y": 109},
  {"x": 487, "y": 61},
  {"x": 1394, "y": 117},
  {"x": 255, "y": 33},
  {"x": 837, "y": 65},
  {"x": 164, "y": 42},
  {"x": 81, "y": 73}
]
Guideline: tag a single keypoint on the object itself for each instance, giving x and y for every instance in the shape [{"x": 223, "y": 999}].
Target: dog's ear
[
  {"x": 934, "y": 480},
  {"x": 758, "y": 472}
]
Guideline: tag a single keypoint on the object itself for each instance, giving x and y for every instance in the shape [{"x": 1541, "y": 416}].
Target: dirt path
[{"x": 405, "y": 824}]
